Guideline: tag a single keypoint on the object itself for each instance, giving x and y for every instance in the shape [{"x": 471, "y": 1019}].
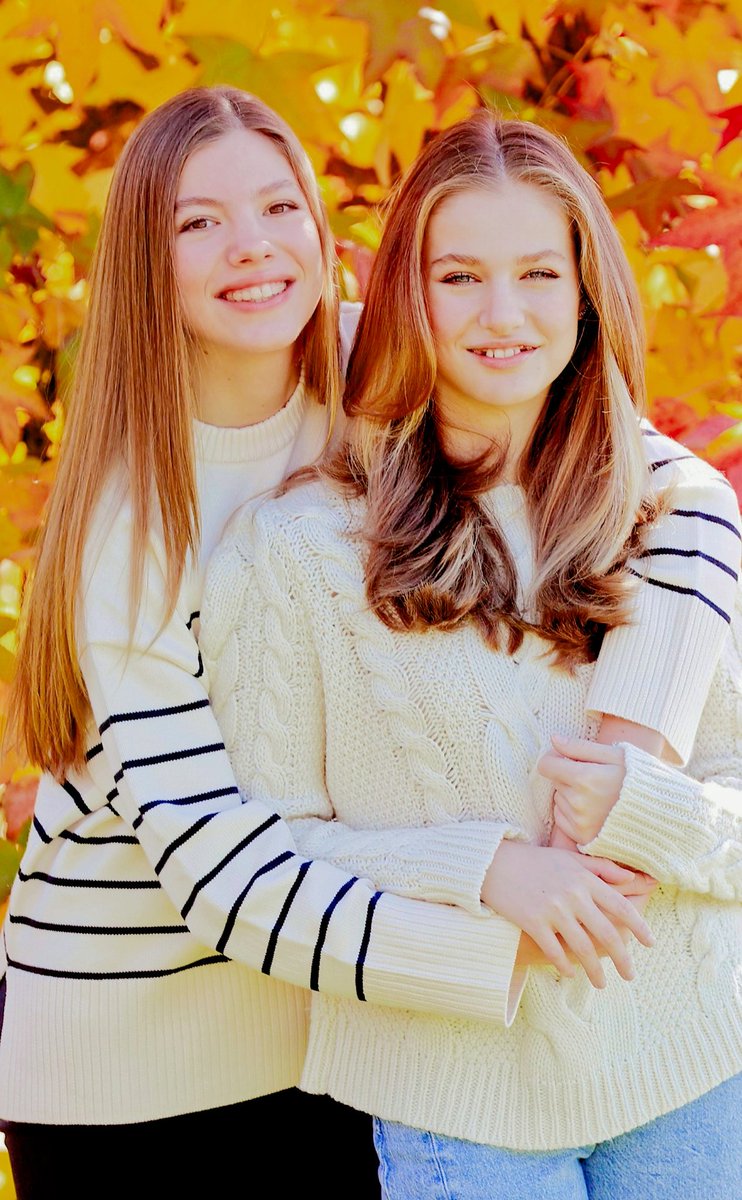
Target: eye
[
  {"x": 459, "y": 277},
  {"x": 541, "y": 273},
  {"x": 282, "y": 206},
  {"x": 196, "y": 223}
]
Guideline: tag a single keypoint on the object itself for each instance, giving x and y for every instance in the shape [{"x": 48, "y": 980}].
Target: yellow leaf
[
  {"x": 123, "y": 74},
  {"x": 56, "y": 187},
  {"x": 408, "y": 112},
  {"x": 231, "y": 19}
]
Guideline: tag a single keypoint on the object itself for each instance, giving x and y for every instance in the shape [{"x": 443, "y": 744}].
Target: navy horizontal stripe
[
  {"x": 669, "y": 550},
  {"x": 651, "y": 433},
  {"x": 273, "y": 939},
  {"x": 225, "y": 861},
  {"x": 98, "y": 930},
  {"x": 93, "y": 752},
  {"x": 684, "y": 591},
  {"x": 76, "y": 796},
  {"x": 704, "y": 516},
  {"x": 145, "y": 713},
  {"x": 123, "y": 885},
  {"x": 221, "y": 945},
  {"x": 118, "y": 839},
  {"x": 663, "y": 462},
  {"x": 50, "y": 973},
  {"x": 323, "y": 927},
  {"x": 131, "y": 764},
  {"x": 184, "y": 837},
  {"x": 193, "y": 617},
  {"x": 195, "y": 799},
  {"x": 200, "y": 671},
  {"x": 365, "y": 941}
]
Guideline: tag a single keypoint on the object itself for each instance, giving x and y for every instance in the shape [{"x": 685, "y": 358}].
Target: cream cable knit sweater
[{"x": 378, "y": 733}]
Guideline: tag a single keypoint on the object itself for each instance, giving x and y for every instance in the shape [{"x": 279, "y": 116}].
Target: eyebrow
[
  {"x": 275, "y": 186},
  {"x": 467, "y": 260}
]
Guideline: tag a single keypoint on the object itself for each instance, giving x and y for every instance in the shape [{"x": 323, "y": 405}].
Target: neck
[
  {"x": 234, "y": 390},
  {"x": 510, "y": 436}
]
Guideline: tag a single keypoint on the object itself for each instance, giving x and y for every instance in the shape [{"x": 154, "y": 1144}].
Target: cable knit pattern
[{"x": 410, "y": 750}]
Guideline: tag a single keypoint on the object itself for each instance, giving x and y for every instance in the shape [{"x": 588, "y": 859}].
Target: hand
[
  {"x": 587, "y": 780},
  {"x": 569, "y": 904}
]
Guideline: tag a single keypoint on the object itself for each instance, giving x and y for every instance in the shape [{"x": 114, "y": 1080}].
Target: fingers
[
  {"x": 581, "y": 750},
  {"x": 606, "y": 869},
  {"x": 613, "y": 942},
  {"x": 620, "y": 908},
  {"x": 563, "y": 822},
  {"x": 580, "y": 943},
  {"x": 554, "y": 951}
]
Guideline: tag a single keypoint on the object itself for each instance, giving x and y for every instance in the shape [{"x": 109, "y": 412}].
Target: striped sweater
[
  {"x": 369, "y": 740},
  {"x": 161, "y": 920}
]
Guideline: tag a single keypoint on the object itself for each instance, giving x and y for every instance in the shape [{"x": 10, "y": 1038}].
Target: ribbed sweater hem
[
  {"x": 401, "y": 1080},
  {"x": 114, "y": 1052}
]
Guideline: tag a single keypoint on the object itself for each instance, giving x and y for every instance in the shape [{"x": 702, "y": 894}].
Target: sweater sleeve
[
  {"x": 686, "y": 829},
  {"x": 657, "y": 670},
  {"x": 267, "y": 694},
  {"x": 230, "y": 866}
]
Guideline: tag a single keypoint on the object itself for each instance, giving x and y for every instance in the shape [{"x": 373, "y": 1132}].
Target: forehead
[
  {"x": 241, "y": 159},
  {"x": 508, "y": 216}
]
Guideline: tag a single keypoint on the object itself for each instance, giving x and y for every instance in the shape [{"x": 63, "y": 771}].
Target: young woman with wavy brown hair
[
  {"x": 162, "y": 927},
  {"x": 499, "y": 553}
]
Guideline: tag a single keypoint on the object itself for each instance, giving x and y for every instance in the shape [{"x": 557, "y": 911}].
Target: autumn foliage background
[{"x": 649, "y": 96}]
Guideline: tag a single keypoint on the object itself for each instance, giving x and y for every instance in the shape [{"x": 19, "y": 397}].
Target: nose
[
  {"x": 501, "y": 308},
  {"x": 249, "y": 242}
]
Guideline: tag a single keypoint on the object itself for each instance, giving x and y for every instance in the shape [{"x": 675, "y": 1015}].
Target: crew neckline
[{"x": 217, "y": 443}]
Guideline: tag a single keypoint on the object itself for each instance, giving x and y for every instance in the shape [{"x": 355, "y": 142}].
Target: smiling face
[
  {"x": 247, "y": 250},
  {"x": 504, "y": 296}
]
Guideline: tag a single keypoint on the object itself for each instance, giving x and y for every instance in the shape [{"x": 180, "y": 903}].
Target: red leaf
[
  {"x": 733, "y": 117},
  {"x": 720, "y": 226},
  {"x": 18, "y": 802}
]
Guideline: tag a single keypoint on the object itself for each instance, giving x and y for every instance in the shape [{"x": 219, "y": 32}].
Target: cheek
[{"x": 188, "y": 275}]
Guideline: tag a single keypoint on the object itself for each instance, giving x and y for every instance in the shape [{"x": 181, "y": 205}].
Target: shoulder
[
  {"x": 271, "y": 551},
  {"x": 350, "y": 314},
  {"x": 300, "y": 520},
  {"x": 691, "y": 478}
]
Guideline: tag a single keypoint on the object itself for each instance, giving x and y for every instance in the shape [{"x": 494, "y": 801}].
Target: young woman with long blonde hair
[
  {"x": 489, "y": 561},
  {"x": 162, "y": 927}
]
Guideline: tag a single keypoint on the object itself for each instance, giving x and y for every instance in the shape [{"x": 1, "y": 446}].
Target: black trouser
[{"x": 288, "y": 1145}]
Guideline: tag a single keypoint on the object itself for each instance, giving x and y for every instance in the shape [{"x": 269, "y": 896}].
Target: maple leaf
[
  {"x": 399, "y": 31},
  {"x": 720, "y": 226},
  {"x": 733, "y": 117},
  {"x": 284, "y": 81},
  {"x": 654, "y": 201}
]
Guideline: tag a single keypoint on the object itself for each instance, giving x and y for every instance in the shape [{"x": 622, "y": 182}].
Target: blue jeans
[{"x": 693, "y": 1153}]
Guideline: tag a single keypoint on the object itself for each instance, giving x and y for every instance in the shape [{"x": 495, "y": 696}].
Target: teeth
[
  {"x": 505, "y": 352},
  {"x": 263, "y": 291}
]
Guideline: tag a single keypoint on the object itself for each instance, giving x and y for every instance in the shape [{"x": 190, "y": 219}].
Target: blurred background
[{"x": 649, "y": 96}]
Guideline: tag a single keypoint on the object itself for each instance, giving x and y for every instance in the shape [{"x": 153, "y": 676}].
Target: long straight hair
[
  {"x": 435, "y": 555},
  {"x": 133, "y": 402}
]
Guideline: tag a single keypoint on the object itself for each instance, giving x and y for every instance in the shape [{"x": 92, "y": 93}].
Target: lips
[{"x": 256, "y": 293}]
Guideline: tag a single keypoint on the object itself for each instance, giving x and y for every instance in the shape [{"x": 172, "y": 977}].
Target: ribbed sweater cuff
[
  {"x": 673, "y": 656},
  {"x": 465, "y": 966},
  {"x": 457, "y": 857},
  {"x": 642, "y": 827}
]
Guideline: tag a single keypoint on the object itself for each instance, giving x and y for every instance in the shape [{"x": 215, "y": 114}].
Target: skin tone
[
  {"x": 249, "y": 269},
  {"x": 504, "y": 297},
  {"x": 504, "y": 312}
]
